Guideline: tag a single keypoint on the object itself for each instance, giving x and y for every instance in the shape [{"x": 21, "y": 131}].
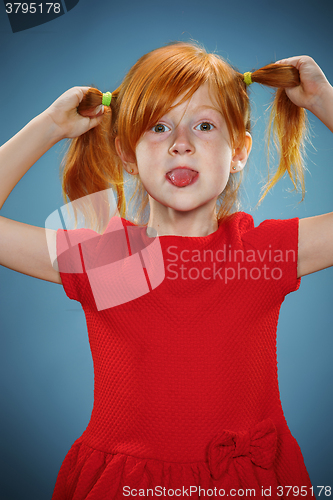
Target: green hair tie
[
  {"x": 247, "y": 78},
  {"x": 106, "y": 100}
]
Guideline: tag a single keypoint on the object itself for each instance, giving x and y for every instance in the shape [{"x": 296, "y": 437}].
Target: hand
[
  {"x": 314, "y": 84},
  {"x": 63, "y": 113}
]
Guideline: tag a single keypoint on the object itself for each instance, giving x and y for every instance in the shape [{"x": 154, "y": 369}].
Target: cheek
[
  {"x": 154, "y": 147},
  {"x": 223, "y": 158},
  {"x": 139, "y": 150},
  {"x": 145, "y": 150}
]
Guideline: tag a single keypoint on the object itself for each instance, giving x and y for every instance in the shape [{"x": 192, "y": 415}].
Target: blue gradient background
[{"x": 46, "y": 366}]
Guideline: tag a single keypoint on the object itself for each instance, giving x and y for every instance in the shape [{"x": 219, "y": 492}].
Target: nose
[{"x": 182, "y": 142}]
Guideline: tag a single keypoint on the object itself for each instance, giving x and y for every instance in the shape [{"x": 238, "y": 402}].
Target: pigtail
[
  {"x": 287, "y": 125},
  {"x": 147, "y": 92},
  {"x": 92, "y": 165}
]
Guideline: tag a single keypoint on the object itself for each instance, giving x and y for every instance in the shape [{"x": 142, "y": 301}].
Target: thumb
[
  {"x": 99, "y": 111},
  {"x": 93, "y": 112},
  {"x": 95, "y": 121}
]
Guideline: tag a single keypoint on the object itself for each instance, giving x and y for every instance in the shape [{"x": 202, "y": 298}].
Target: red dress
[{"x": 186, "y": 395}]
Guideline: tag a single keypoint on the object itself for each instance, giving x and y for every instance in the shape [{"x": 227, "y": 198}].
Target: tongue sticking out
[{"x": 181, "y": 176}]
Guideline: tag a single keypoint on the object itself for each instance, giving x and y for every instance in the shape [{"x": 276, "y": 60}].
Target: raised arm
[
  {"x": 315, "y": 247},
  {"x": 23, "y": 247}
]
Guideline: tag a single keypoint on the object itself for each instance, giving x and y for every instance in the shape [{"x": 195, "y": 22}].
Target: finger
[
  {"x": 82, "y": 92},
  {"x": 99, "y": 110},
  {"x": 83, "y": 89},
  {"x": 289, "y": 60},
  {"x": 93, "y": 112},
  {"x": 296, "y": 61},
  {"x": 95, "y": 121}
]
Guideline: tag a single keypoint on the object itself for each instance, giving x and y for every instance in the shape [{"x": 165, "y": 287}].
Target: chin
[{"x": 183, "y": 207}]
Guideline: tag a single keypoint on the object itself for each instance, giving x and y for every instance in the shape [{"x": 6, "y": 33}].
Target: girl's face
[{"x": 192, "y": 135}]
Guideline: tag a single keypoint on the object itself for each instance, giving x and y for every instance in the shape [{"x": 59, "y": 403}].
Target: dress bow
[{"x": 257, "y": 445}]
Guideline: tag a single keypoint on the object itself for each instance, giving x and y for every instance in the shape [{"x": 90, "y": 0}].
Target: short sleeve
[
  {"x": 274, "y": 244},
  {"x": 82, "y": 255},
  {"x": 70, "y": 260}
]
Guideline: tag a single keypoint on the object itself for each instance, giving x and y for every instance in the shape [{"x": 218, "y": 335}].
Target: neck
[{"x": 194, "y": 223}]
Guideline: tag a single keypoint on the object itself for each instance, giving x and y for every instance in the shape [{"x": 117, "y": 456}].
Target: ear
[
  {"x": 241, "y": 154},
  {"x": 129, "y": 163}
]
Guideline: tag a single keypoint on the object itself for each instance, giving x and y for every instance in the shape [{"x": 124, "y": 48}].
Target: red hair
[{"x": 149, "y": 90}]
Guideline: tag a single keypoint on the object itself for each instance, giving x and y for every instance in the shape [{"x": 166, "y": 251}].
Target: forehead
[{"x": 204, "y": 97}]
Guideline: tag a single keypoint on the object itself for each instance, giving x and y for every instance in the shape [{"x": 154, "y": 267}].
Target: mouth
[{"x": 182, "y": 176}]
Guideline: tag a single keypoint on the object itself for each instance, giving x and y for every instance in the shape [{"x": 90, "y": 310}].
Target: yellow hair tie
[
  {"x": 247, "y": 78},
  {"x": 106, "y": 100}
]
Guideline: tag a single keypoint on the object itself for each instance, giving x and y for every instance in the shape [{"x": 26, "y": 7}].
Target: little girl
[{"x": 182, "y": 301}]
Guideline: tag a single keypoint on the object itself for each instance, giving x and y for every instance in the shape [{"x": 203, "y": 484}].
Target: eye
[
  {"x": 159, "y": 128},
  {"x": 204, "y": 126}
]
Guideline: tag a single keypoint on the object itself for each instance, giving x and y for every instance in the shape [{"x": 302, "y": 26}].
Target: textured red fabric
[{"x": 186, "y": 390}]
